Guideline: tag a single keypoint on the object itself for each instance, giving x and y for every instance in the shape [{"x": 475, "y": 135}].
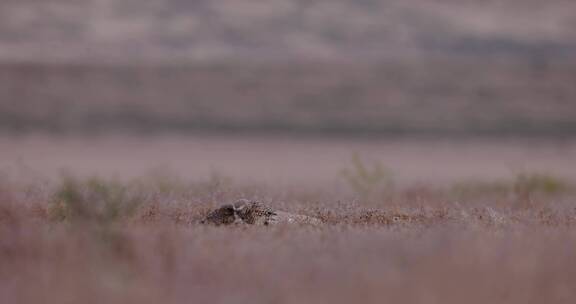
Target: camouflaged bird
[{"x": 254, "y": 213}]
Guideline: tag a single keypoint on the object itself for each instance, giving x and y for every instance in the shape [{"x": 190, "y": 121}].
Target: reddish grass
[{"x": 414, "y": 245}]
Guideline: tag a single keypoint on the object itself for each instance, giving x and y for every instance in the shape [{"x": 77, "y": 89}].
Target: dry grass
[{"x": 103, "y": 241}]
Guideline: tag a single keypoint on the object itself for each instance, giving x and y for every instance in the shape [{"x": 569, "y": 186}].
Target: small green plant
[
  {"x": 367, "y": 180},
  {"x": 526, "y": 184},
  {"x": 523, "y": 186},
  {"x": 92, "y": 200}
]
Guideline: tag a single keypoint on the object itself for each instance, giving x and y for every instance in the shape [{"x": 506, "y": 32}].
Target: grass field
[
  {"x": 495, "y": 239},
  {"x": 434, "y": 141}
]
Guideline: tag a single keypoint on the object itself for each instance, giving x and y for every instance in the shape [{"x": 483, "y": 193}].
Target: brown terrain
[
  {"x": 100, "y": 240},
  {"x": 432, "y": 142}
]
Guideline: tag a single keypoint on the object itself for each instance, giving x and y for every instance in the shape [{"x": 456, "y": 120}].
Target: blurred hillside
[
  {"x": 169, "y": 30},
  {"x": 337, "y": 66}
]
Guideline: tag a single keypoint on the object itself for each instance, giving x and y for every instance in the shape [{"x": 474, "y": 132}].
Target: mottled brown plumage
[{"x": 254, "y": 213}]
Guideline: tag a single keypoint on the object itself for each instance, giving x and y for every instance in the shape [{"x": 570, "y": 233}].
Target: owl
[
  {"x": 242, "y": 211},
  {"x": 250, "y": 212}
]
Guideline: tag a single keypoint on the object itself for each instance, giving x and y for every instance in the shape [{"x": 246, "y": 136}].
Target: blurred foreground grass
[{"x": 140, "y": 241}]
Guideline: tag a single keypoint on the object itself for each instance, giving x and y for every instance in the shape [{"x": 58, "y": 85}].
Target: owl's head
[
  {"x": 225, "y": 215},
  {"x": 242, "y": 211}
]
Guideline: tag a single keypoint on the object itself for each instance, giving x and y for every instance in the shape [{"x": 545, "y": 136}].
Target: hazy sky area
[{"x": 177, "y": 30}]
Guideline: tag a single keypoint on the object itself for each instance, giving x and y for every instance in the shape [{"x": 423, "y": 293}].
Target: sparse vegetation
[
  {"x": 92, "y": 200},
  {"x": 527, "y": 184},
  {"x": 520, "y": 190},
  {"x": 258, "y": 103},
  {"x": 133, "y": 241},
  {"x": 368, "y": 180}
]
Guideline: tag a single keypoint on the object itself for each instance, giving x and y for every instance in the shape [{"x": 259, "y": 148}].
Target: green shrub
[
  {"x": 526, "y": 184},
  {"x": 92, "y": 200},
  {"x": 367, "y": 180},
  {"x": 523, "y": 187}
]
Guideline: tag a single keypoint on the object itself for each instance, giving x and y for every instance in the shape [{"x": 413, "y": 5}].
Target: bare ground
[{"x": 287, "y": 161}]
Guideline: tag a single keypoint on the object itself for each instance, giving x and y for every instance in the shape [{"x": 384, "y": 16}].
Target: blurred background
[{"x": 288, "y": 90}]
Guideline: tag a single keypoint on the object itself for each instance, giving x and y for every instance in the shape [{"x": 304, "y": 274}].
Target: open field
[
  {"x": 283, "y": 160},
  {"x": 99, "y": 240},
  {"x": 502, "y": 237},
  {"x": 430, "y": 145}
]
